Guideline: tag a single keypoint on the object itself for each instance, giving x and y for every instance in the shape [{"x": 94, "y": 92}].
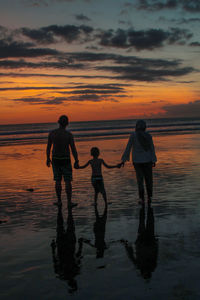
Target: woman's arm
[
  {"x": 153, "y": 154},
  {"x": 111, "y": 167},
  {"x": 126, "y": 154}
]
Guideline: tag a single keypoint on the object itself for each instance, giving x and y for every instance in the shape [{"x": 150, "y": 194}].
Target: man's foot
[
  {"x": 141, "y": 202},
  {"x": 58, "y": 203},
  {"x": 72, "y": 204},
  {"x": 149, "y": 201}
]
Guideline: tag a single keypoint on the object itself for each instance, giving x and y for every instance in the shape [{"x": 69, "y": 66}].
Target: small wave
[
  {"x": 38, "y": 139},
  {"x": 101, "y": 128}
]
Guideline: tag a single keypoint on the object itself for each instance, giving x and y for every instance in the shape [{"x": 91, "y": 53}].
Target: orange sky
[{"x": 116, "y": 60}]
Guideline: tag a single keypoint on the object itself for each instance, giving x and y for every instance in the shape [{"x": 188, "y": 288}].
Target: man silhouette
[{"x": 62, "y": 141}]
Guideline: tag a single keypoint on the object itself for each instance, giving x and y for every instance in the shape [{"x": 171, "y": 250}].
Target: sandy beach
[{"x": 29, "y": 224}]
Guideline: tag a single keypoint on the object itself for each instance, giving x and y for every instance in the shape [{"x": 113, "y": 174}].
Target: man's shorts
[
  {"x": 62, "y": 168},
  {"x": 97, "y": 183}
]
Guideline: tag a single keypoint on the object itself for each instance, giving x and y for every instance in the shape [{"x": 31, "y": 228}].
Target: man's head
[{"x": 63, "y": 121}]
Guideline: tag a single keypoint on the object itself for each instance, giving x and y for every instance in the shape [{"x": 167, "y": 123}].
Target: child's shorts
[
  {"x": 62, "y": 168},
  {"x": 97, "y": 183}
]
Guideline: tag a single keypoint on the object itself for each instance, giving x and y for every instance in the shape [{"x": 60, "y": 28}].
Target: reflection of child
[{"x": 97, "y": 178}]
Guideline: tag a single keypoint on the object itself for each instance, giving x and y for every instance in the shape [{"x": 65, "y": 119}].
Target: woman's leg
[
  {"x": 148, "y": 175},
  {"x": 140, "y": 180}
]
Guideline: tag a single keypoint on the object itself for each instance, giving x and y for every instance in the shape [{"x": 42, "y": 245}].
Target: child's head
[
  {"x": 63, "y": 121},
  {"x": 94, "y": 151}
]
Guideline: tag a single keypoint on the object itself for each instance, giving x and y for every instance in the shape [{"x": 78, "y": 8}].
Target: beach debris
[{"x": 30, "y": 190}]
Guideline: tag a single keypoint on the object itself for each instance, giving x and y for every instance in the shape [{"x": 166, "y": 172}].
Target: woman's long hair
[{"x": 143, "y": 137}]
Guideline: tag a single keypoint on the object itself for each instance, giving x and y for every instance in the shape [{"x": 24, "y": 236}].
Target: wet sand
[{"x": 106, "y": 257}]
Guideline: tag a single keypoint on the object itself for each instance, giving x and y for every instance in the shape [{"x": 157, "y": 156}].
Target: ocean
[
  {"x": 95, "y": 253},
  {"x": 37, "y": 133}
]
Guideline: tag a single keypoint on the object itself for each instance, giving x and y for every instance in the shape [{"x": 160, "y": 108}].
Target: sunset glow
[{"x": 98, "y": 65}]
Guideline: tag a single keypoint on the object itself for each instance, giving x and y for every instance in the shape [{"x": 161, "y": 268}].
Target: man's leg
[
  {"x": 58, "y": 188},
  {"x": 68, "y": 189}
]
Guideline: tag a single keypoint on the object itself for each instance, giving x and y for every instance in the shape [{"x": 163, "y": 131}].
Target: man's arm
[
  {"x": 48, "y": 150},
  {"x": 74, "y": 152},
  {"x": 85, "y": 165}
]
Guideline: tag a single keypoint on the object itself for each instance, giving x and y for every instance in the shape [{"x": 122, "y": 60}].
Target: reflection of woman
[
  {"x": 143, "y": 157},
  {"x": 66, "y": 261},
  {"x": 99, "y": 232},
  {"x": 146, "y": 252}
]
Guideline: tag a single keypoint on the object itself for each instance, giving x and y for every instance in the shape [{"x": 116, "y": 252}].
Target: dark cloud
[
  {"x": 121, "y": 59},
  {"x": 20, "y": 49},
  {"x": 105, "y": 86},
  {"x": 126, "y": 67},
  {"x": 13, "y": 64},
  {"x": 33, "y": 88},
  {"x": 79, "y": 89},
  {"x": 179, "y": 21},
  {"x": 49, "y": 34},
  {"x": 61, "y": 100},
  {"x": 192, "y": 6},
  {"x": 130, "y": 38},
  {"x": 195, "y": 44},
  {"x": 38, "y": 35},
  {"x": 188, "y": 20},
  {"x": 40, "y": 3},
  {"x": 191, "y": 109},
  {"x": 82, "y": 17},
  {"x": 143, "y": 73},
  {"x": 143, "y": 39},
  {"x": 14, "y": 74}
]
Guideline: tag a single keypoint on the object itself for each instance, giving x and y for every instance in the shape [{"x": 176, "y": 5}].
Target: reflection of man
[
  {"x": 146, "y": 244},
  {"x": 66, "y": 261},
  {"x": 99, "y": 232},
  {"x": 62, "y": 141}
]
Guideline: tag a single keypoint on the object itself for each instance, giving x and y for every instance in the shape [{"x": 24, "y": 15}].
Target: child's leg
[
  {"x": 95, "y": 196},
  {"x": 104, "y": 195}
]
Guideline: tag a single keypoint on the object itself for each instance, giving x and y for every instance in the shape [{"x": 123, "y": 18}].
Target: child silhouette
[{"x": 97, "y": 178}]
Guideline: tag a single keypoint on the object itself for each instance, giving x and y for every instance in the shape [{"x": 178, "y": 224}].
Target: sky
[{"x": 98, "y": 60}]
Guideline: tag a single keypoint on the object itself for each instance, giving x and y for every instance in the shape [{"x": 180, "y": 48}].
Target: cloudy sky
[{"x": 96, "y": 60}]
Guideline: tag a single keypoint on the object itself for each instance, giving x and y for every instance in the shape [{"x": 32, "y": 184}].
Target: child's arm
[
  {"x": 113, "y": 166},
  {"x": 84, "y": 166}
]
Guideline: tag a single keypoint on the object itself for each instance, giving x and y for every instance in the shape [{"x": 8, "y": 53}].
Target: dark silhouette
[
  {"x": 143, "y": 157},
  {"x": 62, "y": 141},
  {"x": 99, "y": 233},
  {"x": 146, "y": 245},
  {"x": 65, "y": 258},
  {"x": 97, "y": 178}
]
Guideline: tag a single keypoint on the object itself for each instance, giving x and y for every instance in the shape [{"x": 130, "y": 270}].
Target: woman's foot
[
  {"x": 72, "y": 204},
  {"x": 149, "y": 201}
]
